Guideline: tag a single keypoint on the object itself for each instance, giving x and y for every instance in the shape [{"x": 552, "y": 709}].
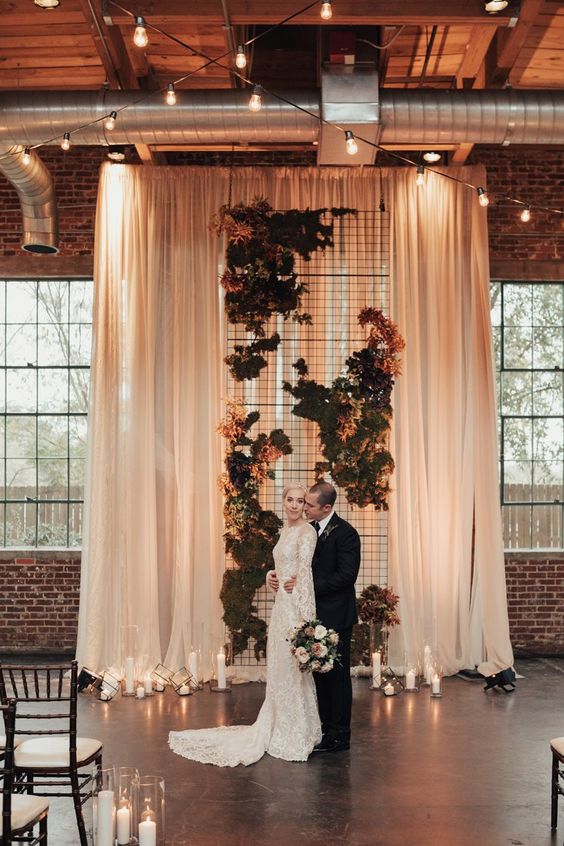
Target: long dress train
[{"x": 288, "y": 725}]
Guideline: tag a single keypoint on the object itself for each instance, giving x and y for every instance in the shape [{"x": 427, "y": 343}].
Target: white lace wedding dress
[{"x": 288, "y": 725}]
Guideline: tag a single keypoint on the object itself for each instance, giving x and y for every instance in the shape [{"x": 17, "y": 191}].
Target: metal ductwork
[
  {"x": 351, "y": 99},
  {"x": 35, "y": 189}
]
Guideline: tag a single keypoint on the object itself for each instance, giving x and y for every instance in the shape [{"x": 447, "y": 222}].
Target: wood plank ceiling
[{"x": 87, "y": 44}]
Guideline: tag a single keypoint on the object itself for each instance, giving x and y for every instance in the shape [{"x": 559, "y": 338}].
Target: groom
[{"x": 335, "y": 566}]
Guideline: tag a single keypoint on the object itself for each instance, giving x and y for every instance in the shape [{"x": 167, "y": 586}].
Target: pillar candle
[
  {"x": 129, "y": 674},
  {"x": 148, "y": 833},
  {"x": 410, "y": 680},
  {"x": 221, "y": 681},
  {"x": 184, "y": 690},
  {"x": 148, "y": 684},
  {"x": 389, "y": 689},
  {"x": 105, "y": 820},
  {"x": 376, "y": 669},
  {"x": 159, "y": 687},
  {"x": 436, "y": 684},
  {"x": 140, "y": 692},
  {"x": 123, "y": 825},
  {"x": 193, "y": 665}
]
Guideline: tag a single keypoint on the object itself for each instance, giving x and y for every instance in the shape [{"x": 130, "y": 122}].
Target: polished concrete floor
[{"x": 471, "y": 768}]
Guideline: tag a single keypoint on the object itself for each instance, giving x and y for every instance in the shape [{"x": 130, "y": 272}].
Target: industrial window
[
  {"x": 528, "y": 327},
  {"x": 45, "y": 343}
]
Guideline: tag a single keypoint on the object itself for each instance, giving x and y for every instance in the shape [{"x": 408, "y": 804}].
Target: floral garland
[
  {"x": 260, "y": 278},
  {"x": 354, "y": 413},
  {"x": 250, "y": 532}
]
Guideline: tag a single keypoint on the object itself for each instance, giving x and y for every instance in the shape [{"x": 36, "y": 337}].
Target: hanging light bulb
[
  {"x": 47, "y": 4},
  {"x": 110, "y": 121},
  {"x": 170, "y": 94},
  {"x": 326, "y": 10},
  {"x": 352, "y": 146},
  {"x": 65, "y": 143},
  {"x": 431, "y": 157},
  {"x": 140, "y": 37},
  {"x": 255, "y": 103},
  {"x": 26, "y": 156},
  {"x": 420, "y": 178},
  {"x": 526, "y": 214},
  {"x": 494, "y": 6},
  {"x": 483, "y": 198},
  {"x": 240, "y": 58}
]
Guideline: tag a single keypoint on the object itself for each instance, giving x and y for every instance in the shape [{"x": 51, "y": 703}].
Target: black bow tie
[{"x": 315, "y": 525}]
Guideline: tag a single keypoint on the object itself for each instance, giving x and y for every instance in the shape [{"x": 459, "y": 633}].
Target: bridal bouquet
[{"x": 314, "y": 646}]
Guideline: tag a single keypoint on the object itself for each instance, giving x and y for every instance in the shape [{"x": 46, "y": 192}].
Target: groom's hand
[
  {"x": 290, "y": 584},
  {"x": 272, "y": 581}
]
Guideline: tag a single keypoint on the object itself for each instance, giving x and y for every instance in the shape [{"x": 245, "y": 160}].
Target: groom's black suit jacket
[{"x": 335, "y": 566}]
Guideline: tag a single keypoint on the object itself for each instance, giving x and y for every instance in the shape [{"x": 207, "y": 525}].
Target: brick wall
[{"x": 39, "y": 599}]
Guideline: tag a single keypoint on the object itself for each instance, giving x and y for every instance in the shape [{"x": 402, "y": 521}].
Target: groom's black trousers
[{"x": 334, "y": 692}]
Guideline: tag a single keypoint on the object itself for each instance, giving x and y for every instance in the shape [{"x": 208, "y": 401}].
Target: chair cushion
[
  {"x": 53, "y": 752},
  {"x": 25, "y": 809},
  {"x": 558, "y": 745},
  {"x": 17, "y": 741}
]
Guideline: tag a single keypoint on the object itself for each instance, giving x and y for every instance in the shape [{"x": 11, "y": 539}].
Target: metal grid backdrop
[{"x": 341, "y": 282}]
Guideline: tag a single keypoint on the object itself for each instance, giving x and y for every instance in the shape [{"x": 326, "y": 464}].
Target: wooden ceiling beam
[
  {"x": 474, "y": 57},
  {"x": 461, "y": 154},
  {"x": 508, "y": 44},
  {"x": 346, "y": 12}
]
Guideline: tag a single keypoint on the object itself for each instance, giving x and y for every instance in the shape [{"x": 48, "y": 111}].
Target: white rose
[
  {"x": 320, "y": 632},
  {"x": 334, "y": 637},
  {"x": 301, "y": 655}
]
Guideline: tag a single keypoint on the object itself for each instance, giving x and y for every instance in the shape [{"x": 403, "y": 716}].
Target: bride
[{"x": 288, "y": 724}]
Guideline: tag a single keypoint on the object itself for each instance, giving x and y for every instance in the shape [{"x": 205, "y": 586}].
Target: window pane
[
  {"x": 20, "y": 524},
  {"x": 53, "y": 390},
  {"x": 547, "y": 481},
  {"x": 547, "y": 305},
  {"x": 21, "y": 388},
  {"x": 546, "y": 526},
  {"x": 52, "y": 436},
  {"x": 20, "y": 344},
  {"x": 76, "y": 478},
  {"x": 81, "y": 301},
  {"x": 495, "y": 299},
  {"x": 52, "y": 345},
  {"x": 77, "y": 434},
  {"x": 547, "y": 350},
  {"x": 516, "y": 395},
  {"x": 79, "y": 387},
  {"x": 53, "y": 302},
  {"x": 75, "y": 511},
  {"x": 80, "y": 344},
  {"x": 517, "y": 481},
  {"x": 517, "y": 305},
  {"x": 547, "y": 393},
  {"x": 497, "y": 346},
  {"x": 517, "y": 526},
  {"x": 52, "y": 528},
  {"x": 2, "y": 310},
  {"x": 518, "y": 347},
  {"x": 548, "y": 438},
  {"x": 21, "y": 301},
  {"x": 20, "y": 478},
  {"x": 20, "y": 437},
  {"x": 518, "y": 440},
  {"x": 53, "y": 482}
]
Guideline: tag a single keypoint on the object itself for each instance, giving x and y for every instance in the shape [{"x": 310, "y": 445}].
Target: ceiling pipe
[{"x": 36, "y": 193}]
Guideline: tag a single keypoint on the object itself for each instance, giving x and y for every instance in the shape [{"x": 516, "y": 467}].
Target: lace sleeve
[{"x": 304, "y": 598}]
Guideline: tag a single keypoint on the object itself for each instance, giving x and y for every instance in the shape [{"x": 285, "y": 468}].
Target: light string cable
[{"x": 218, "y": 61}]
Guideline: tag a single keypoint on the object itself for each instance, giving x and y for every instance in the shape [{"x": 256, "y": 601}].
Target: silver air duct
[{"x": 35, "y": 190}]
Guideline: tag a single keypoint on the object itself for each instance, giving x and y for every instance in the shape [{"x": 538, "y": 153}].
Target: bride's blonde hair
[{"x": 293, "y": 486}]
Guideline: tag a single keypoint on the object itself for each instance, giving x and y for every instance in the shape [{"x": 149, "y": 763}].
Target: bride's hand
[
  {"x": 290, "y": 584},
  {"x": 272, "y": 581}
]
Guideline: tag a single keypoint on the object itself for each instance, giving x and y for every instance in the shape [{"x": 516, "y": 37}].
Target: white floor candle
[
  {"x": 123, "y": 826},
  {"x": 193, "y": 665},
  {"x": 436, "y": 684},
  {"x": 376, "y": 669},
  {"x": 148, "y": 684},
  {"x": 221, "y": 679},
  {"x": 129, "y": 674},
  {"x": 410, "y": 680},
  {"x": 148, "y": 833},
  {"x": 105, "y": 819}
]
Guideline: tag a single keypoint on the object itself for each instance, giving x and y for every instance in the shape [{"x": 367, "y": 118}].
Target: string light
[
  {"x": 26, "y": 156},
  {"x": 326, "y": 10},
  {"x": 240, "y": 58},
  {"x": 140, "y": 37},
  {"x": 65, "y": 143},
  {"x": 431, "y": 157},
  {"x": 483, "y": 198},
  {"x": 420, "y": 178},
  {"x": 352, "y": 146},
  {"x": 110, "y": 121},
  {"x": 170, "y": 94},
  {"x": 255, "y": 103},
  {"x": 526, "y": 214}
]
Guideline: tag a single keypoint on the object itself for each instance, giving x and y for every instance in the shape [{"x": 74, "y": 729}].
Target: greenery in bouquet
[
  {"x": 378, "y": 605},
  {"x": 314, "y": 646},
  {"x": 260, "y": 278},
  {"x": 354, "y": 413},
  {"x": 250, "y": 533}
]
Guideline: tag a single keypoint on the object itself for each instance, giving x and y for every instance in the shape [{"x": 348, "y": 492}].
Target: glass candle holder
[
  {"x": 411, "y": 677},
  {"x": 127, "y": 812},
  {"x": 129, "y": 651},
  {"x": 88, "y": 680},
  {"x": 388, "y": 688},
  {"x": 436, "y": 683},
  {"x": 109, "y": 687},
  {"x": 161, "y": 677},
  {"x": 104, "y": 806},
  {"x": 376, "y": 664},
  {"x": 219, "y": 683},
  {"x": 195, "y": 667},
  {"x": 150, "y": 829},
  {"x": 180, "y": 681}
]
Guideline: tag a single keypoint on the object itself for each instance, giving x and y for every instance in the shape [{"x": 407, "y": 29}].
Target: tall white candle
[
  {"x": 376, "y": 669},
  {"x": 429, "y": 674},
  {"x": 105, "y": 821},
  {"x": 129, "y": 674},
  {"x": 410, "y": 680},
  {"x": 193, "y": 664},
  {"x": 123, "y": 825},
  {"x": 148, "y": 684},
  {"x": 221, "y": 681},
  {"x": 148, "y": 833},
  {"x": 436, "y": 684}
]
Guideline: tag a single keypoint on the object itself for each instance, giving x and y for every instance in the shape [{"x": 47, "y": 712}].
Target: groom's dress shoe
[{"x": 331, "y": 744}]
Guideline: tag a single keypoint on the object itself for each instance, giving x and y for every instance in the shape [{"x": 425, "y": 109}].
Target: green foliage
[
  {"x": 354, "y": 413},
  {"x": 260, "y": 278}
]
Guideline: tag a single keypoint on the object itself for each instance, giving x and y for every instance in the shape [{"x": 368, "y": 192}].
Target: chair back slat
[{"x": 42, "y": 684}]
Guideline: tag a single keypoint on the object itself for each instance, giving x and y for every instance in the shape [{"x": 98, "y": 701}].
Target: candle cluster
[{"x": 128, "y": 808}]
